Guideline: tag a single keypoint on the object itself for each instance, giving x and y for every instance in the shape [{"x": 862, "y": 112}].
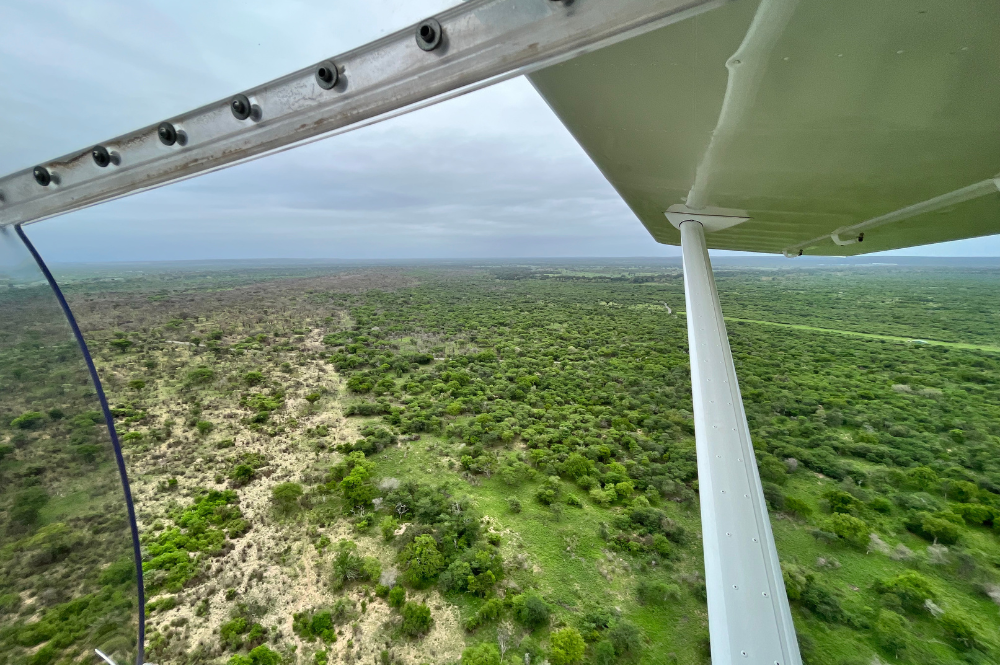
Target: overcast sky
[{"x": 490, "y": 174}]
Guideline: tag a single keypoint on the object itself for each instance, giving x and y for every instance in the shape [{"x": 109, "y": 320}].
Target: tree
[
  {"x": 483, "y": 654},
  {"x": 505, "y": 638},
  {"x": 416, "y": 619},
  {"x": 422, "y": 559},
  {"x": 357, "y": 488},
  {"x": 855, "y": 531},
  {"x": 286, "y": 497},
  {"x": 566, "y": 647}
]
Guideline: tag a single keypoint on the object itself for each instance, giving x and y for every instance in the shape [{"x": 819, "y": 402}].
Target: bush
[
  {"x": 200, "y": 376},
  {"x": 204, "y": 427},
  {"x": 797, "y": 507},
  {"x": 891, "y": 632},
  {"x": 416, "y": 619},
  {"x": 27, "y": 420},
  {"x": 27, "y": 504},
  {"x": 286, "y": 497},
  {"x": 422, "y": 559},
  {"x": 388, "y": 527},
  {"x": 530, "y": 610},
  {"x": 853, "y": 530},
  {"x": 934, "y": 527},
  {"x": 566, "y": 647},
  {"x": 483, "y": 654},
  {"x": 514, "y": 504},
  {"x": 397, "y": 596},
  {"x": 961, "y": 630},
  {"x": 774, "y": 496},
  {"x": 656, "y": 593},
  {"x": 912, "y": 589},
  {"x": 604, "y": 653},
  {"x": 260, "y": 655},
  {"x": 626, "y": 638}
]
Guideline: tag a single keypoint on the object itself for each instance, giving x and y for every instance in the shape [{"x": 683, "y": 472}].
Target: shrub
[
  {"x": 286, "y": 497},
  {"x": 774, "y": 496},
  {"x": 416, "y": 619},
  {"x": 656, "y": 593},
  {"x": 388, "y": 526},
  {"x": 242, "y": 474},
  {"x": 530, "y": 610},
  {"x": 912, "y": 589},
  {"x": 200, "y": 376},
  {"x": 961, "y": 630},
  {"x": 626, "y": 637},
  {"x": 27, "y": 420},
  {"x": 604, "y": 653},
  {"x": 204, "y": 427},
  {"x": 514, "y": 504},
  {"x": 422, "y": 559},
  {"x": 934, "y": 527},
  {"x": 773, "y": 470},
  {"x": 27, "y": 504},
  {"x": 397, "y": 596},
  {"x": 260, "y": 655},
  {"x": 566, "y": 647},
  {"x": 891, "y": 631},
  {"x": 853, "y": 530},
  {"x": 483, "y": 654}
]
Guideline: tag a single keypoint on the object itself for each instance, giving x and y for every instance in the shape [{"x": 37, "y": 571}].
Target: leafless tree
[
  {"x": 505, "y": 638},
  {"x": 401, "y": 509}
]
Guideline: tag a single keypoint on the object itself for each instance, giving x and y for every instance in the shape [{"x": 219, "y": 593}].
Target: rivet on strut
[
  {"x": 167, "y": 133},
  {"x": 240, "y": 106},
  {"x": 42, "y": 176},
  {"x": 101, "y": 156},
  {"x": 429, "y": 34},
  {"x": 327, "y": 75}
]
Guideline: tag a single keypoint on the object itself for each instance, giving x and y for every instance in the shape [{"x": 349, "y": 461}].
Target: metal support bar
[
  {"x": 856, "y": 232},
  {"x": 748, "y": 615},
  {"x": 470, "y": 46}
]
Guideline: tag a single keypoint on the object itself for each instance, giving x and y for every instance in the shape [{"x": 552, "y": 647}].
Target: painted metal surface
[
  {"x": 748, "y": 615},
  {"x": 480, "y": 42},
  {"x": 837, "y": 113}
]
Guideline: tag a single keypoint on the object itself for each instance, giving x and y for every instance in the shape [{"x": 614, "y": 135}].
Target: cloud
[{"x": 490, "y": 174}]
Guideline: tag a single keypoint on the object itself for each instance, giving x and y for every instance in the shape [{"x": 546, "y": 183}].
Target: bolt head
[
  {"x": 101, "y": 156},
  {"x": 42, "y": 176},
  {"x": 240, "y": 106},
  {"x": 327, "y": 75},
  {"x": 429, "y": 35},
  {"x": 167, "y": 133}
]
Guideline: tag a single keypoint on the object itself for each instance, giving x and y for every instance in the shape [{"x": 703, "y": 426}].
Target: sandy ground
[{"x": 275, "y": 568}]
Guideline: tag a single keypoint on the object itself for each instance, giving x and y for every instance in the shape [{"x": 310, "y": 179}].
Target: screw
[
  {"x": 240, "y": 107},
  {"x": 101, "y": 156},
  {"x": 327, "y": 75},
  {"x": 429, "y": 35},
  {"x": 167, "y": 133},
  {"x": 42, "y": 176}
]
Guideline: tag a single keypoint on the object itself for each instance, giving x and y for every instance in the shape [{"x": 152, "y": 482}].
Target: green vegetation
[{"x": 501, "y": 461}]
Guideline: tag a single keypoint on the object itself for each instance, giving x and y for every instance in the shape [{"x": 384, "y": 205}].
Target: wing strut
[{"x": 748, "y": 616}]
